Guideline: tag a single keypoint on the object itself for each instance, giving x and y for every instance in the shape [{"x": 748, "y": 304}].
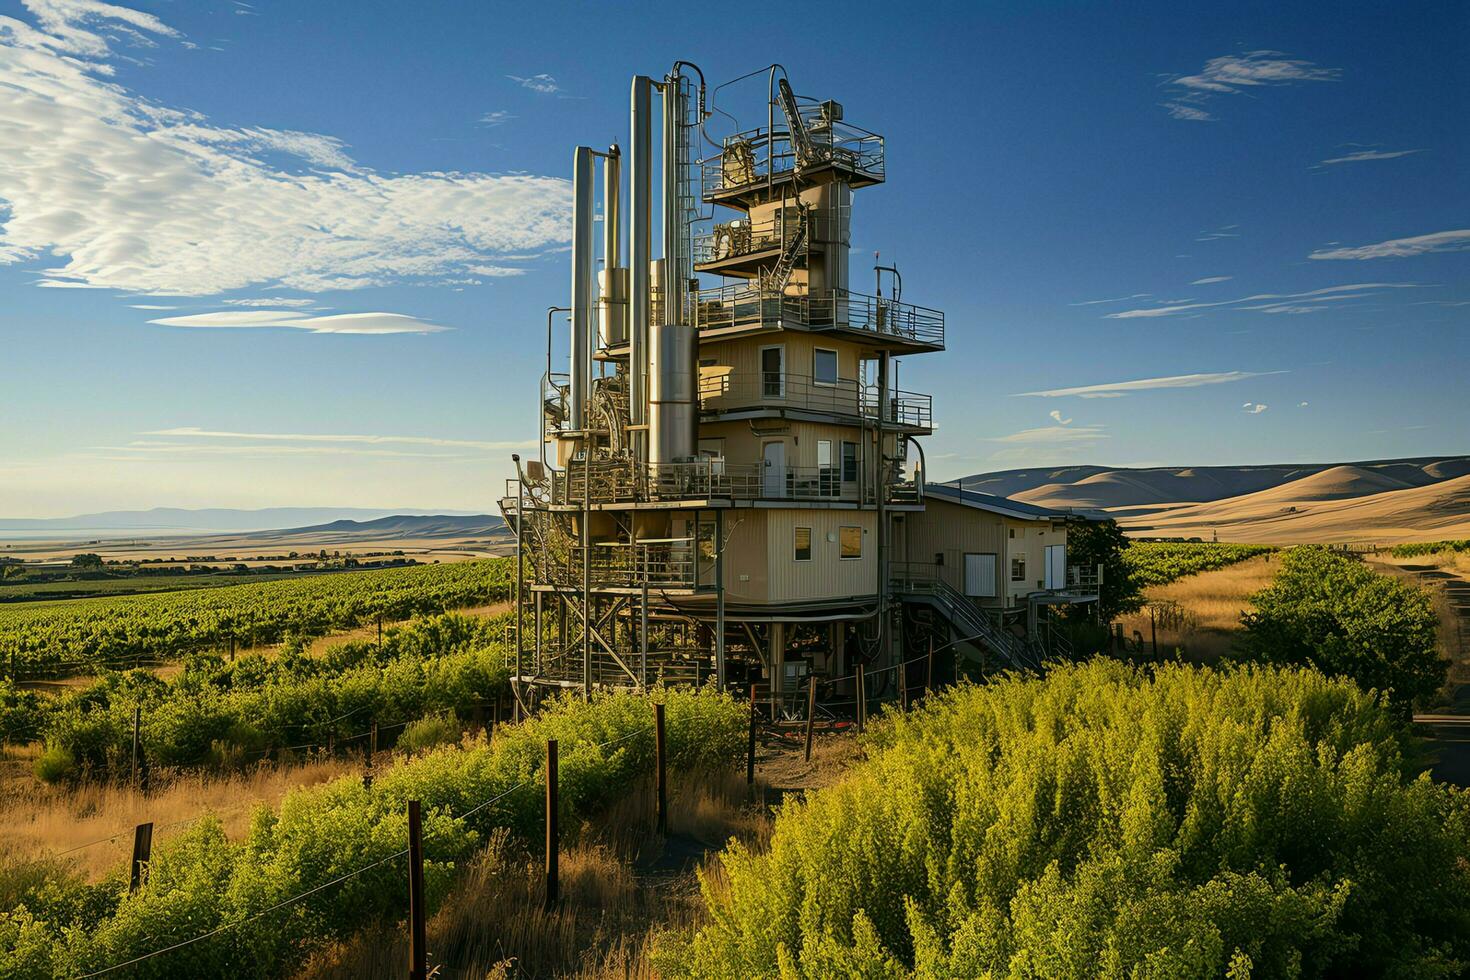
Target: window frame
[
  {"x": 780, "y": 375},
  {"x": 856, "y": 466},
  {"x": 1018, "y": 561},
  {"x": 841, "y": 545},
  {"x": 796, "y": 546},
  {"x": 836, "y": 367}
]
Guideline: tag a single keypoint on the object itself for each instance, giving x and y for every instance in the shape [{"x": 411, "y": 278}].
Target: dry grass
[
  {"x": 1213, "y": 603},
  {"x": 622, "y": 889},
  {"x": 43, "y": 820}
]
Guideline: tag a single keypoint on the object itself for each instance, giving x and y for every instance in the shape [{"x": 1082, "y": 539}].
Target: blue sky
[{"x": 1265, "y": 203}]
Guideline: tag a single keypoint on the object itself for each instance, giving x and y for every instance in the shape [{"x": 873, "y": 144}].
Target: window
[
  {"x": 803, "y": 545},
  {"x": 773, "y": 372},
  {"x": 849, "y": 462},
  {"x": 1018, "y": 569},
  {"x": 824, "y": 366},
  {"x": 850, "y": 541}
]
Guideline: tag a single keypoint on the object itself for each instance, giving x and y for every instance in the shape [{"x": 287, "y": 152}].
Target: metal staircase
[
  {"x": 801, "y": 140},
  {"x": 776, "y": 280},
  {"x": 969, "y": 622}
]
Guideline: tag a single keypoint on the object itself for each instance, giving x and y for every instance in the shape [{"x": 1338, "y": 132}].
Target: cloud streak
[
  {"x": 1358, "y": 156},
  {"x": 343, "y": 323},
  {"x": 1399, "y": 248},
  {"x": 1269, "y": 302},
  {"x": 1235, "y": 74},
  {"x": 191, "y": 431},
  {"x": 1117, "y": 389},
  {"x": 168, "y": 204},
  {"x": 1055, "y": 435}
]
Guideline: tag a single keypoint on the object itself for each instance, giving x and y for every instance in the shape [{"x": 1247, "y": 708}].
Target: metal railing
[
  {"x": 623, "y": 481},
  {"x": 735, "y": 391},
  {"x": 744, "y": 305},
  {"x": 746, "y": 237},
  {"x": 755, "y": 155}
]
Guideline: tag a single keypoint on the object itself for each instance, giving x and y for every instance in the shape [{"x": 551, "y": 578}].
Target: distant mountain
[
  {"x": 1110, "y": 487},
  {"x": 399, "y": 526},
  {"x": 174, "y": 520}
]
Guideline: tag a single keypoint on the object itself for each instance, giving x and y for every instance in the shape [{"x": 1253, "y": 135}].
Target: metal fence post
[
  {"x": 553, "y": 842},
  {"x": 418, "y": 967},
  {"x": 661, "y": 770},
  {"x": 750, "y": 745},
  {"x": 811, "y": 713},
  {"x": 862, "y": 700}
]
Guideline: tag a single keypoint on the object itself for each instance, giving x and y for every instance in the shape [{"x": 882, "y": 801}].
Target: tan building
[{"x": 731, "y": 485}]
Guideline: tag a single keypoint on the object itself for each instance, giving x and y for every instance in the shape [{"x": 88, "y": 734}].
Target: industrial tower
[{"x": 727, "y": 459}]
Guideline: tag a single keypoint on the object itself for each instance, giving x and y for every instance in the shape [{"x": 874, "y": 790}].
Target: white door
[
  {"x": 773, "y": 483},
  {"x": 1056, "y": 566},
  {"x": 980, "y": 576}
]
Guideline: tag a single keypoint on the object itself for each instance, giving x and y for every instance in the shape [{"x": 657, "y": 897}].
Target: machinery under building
[{"x": 731, "y": 484}]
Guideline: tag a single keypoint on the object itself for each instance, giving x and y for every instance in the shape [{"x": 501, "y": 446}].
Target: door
[
  {"x": 980, "y": 576},
  {"x": 1056, "y": 566},
  {"x": 773, "y": 483}
]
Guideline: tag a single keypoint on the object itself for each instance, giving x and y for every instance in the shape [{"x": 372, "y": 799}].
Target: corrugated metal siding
[
  {"x": 745, "y": 555},
  {"x": 826, "y": 576}
]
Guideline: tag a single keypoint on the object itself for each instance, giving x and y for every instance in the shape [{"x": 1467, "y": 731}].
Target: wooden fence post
[
  {"x": 418, "y": 961},
  {"x": 1153, "y": 628},
  {"x": 553, "y": 835},
  {"x": 660, "y": 770},
  {"x": 380, "y": 632},
  {"x": 903, "y": 687},
  {"x": 929, "y": 671},
  {"x": 862, "y": 700},
  {"x": 750, "y": 744},
  {"x": 142, "y": 853},
  {"x": 811, "y": 713}
]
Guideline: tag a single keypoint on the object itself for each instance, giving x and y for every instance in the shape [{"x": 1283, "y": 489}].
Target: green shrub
[
  {"x": 1332, "y": 612},
  {"x": 430, "y": 732},
  {"x": 200, "y": 881},
  {"x": 1161, "y": 562},
  {"x": 1421, "y": 548},
  {"x": 55, "y": 764},
  {"x": 1107, "y": 821}
]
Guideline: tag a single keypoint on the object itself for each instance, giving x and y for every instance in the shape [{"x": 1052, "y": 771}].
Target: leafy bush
[
  {"x": 1094, "y": 543},
  {"x": 1332, "y": 612},
  {"x": 231, "y": 713},
  {"x": 1105, "y": 821},
  {"x": 1421, "y": 548},
  {"x": 20, "y": 714},
  {"x": 55, "y": 764},
  {"x": 116, "y": 631},
  {"x": 430, "y": 732},
  {"x": 200, "y": 880},
  {"x": 1161, "y": 562}
]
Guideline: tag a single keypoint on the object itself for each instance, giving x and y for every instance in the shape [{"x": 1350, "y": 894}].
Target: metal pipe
[
  {"x": 640, "y": 219},
  {"x": 612, "y": 281},
  {"x": 582, "y": 295},
  {"x": 520, "y": 565},
  {"x": 673, "y": 420},
  {"x": 546, "y": 380}
]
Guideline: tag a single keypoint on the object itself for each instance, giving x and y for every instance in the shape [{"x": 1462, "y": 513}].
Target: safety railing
[
  {"x": 623, "y": 481},
  {"x": 905, "y": 408},
  {"x": 733, "y": 391},
  {"x": 756, "y": 155},
  {"x": 746, "y": 237},
  {"x": 742, "y": 305}
]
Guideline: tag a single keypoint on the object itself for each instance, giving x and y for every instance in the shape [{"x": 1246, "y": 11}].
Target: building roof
[{"x": 1004, "y": 506}]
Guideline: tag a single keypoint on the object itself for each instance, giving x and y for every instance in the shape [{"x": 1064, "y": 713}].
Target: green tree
[
  {"x": 86, "y": 561},
  {"x": 1332, "y": 612},
  {"x": 1094, "y": 543}
]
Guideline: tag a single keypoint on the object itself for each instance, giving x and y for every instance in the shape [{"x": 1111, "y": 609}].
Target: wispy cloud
[
  {"x": 543, "y": 83},
  {"x": 1207, "y": 280},
  {"x": 1119, "y": 299},
  {"x": 156, "y": 448},
  {"x": 497, "y": 117},
  {"x": 1056, "y": 416},
  {"x": 169, "y": 204},
  {"x": 1358, "y": 156},
  {"x": 1117, "y": 389},
  {"x": 1398, "y": 248},
  {"x": 1234, "y": 74},
  {"x": 192, "y": 431},
  {"x": 1224, "y": 231},
  {"x": 264, "y": 301},
  {"x": 1253, "y": 408},
  {"x": 1055, "y": 434},
  {"x": 345, "y": 323},
  {"x": 1267, "y": 300}
]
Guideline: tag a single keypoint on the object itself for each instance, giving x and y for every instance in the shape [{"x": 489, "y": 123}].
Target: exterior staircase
[{"x": 970, "y": 623}]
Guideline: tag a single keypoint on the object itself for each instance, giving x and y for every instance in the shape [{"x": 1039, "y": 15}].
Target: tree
[
  {"x": 86, "y": 561},
  {"x": 1334, "y": 613},
  {"x": 1094, "y": 543}
]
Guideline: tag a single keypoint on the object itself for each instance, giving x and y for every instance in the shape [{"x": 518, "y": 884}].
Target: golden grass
[
  {"x": 43, "y": 820},
  {"x": 1213, "y": 603}
]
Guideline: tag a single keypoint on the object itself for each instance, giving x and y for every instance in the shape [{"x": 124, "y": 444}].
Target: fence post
[
  {"x": 1153, "y": 628},
  {"x": 929, "y": 670},
  {"x": 137, "y": 753},
  {"x": 811, "y": 713},
  {"x": 142, "y": 852},
  {"x": 418, "y": 966},
  {"x": 862, "y": 700},
  {"x": 553, "y": 841},
  {"x": 750, "y": 745},
  {"x": 902, "y": 670},
  {"x": 380, "y": 632},
  {"x": 661, "y": 770}
]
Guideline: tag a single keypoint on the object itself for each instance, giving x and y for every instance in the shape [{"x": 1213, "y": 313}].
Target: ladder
[
  {"x": 776, "y": 280},
  {"x": 801, "y": 140}
]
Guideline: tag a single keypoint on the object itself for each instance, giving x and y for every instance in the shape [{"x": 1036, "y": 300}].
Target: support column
[
  {"x": 778, "y": 666},
  {"x": 719, "y": 599}
]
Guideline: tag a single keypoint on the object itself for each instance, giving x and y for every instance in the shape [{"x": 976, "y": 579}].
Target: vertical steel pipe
[
  {"x": 640, "y": 220},
  {"x": 582, "y": 296}
]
